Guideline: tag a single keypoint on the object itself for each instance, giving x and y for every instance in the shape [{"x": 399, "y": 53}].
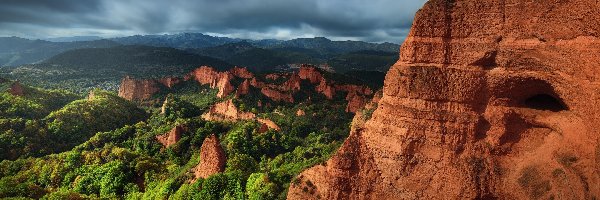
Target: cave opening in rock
[{"x": 545, "y": 102}]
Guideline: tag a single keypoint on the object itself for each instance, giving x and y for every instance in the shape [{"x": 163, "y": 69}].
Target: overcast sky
[{"x": 367, "y": 20}]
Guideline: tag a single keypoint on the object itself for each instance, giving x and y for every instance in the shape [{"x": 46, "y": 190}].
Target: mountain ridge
[{"x": 19, "y": 51}]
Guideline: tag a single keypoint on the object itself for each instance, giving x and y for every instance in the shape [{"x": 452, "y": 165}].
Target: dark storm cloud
[{"x": 371, "y": 20}]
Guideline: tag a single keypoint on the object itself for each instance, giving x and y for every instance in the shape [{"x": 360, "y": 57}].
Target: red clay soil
[{"x": 489, "y": 100}]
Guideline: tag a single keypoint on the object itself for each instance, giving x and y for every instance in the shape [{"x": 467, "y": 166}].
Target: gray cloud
[{"x": 370, "y": 20}]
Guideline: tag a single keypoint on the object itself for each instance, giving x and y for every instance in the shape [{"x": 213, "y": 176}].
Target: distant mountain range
[
  {"x": 199, "y": 40},
  {"x": 131, "y": 56},
  {"x": 16, "y": 51},
  {"x": 278, "y": 56},
  {"x": 74, "y": 39}
]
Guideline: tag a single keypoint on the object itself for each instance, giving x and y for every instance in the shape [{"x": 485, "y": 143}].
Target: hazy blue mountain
[
  {"x": 16, "y": 51},
  {"x": 325, "y": 45},
  {"x": 74, "y": 39},
  {"x": 181, "y": 41},
  {"x": 199, "y": 40}
]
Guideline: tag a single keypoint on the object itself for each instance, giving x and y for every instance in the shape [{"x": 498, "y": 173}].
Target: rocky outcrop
[
  {"x": 241, "y": 72},
  {"x": 293, "y": 83},
  {"x": 171, "y": 137},
  {"x": 226, "y": 111},
  {"x": 165, "y": 106},
  {"x": 169, "y": 81},
  {"x": 212, "y": 158},
  {"x": 355, "y": 102},
  {"x": 254, "y": 82},
  {"x": 277, "y": 95},
  {"x": 137, "y": 90},
  {"x": 273, "y": 76},
  {"x": 357, "y": 89},
  {"x": 224, "y": 85},
  {"x": 284, "y": 91},
  {"x": 310, "y": 73},
  {"x": 300, "y": 113},
  {"x": 326, "y": 89},
  {"x": 220, "y": 80},
  {"x": 16, "y": 89},
  {"x": 243, "y": 89},
  {"x": 206, "y": 75},
  {"x": 489, "y": 100},
  {"x": 267, "y": 124}
]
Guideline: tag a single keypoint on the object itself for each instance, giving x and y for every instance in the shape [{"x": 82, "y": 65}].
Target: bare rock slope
[
  {"x": 212, "y": 158},
  {"x": 490, "y": 99}
]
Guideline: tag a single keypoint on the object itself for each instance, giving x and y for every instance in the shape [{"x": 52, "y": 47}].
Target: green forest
[{"x": 55, "y": 144}]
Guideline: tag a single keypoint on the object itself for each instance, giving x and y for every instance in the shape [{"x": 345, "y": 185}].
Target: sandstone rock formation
[
  {"x": 277, "y": 95},
  {"x": 489, "y": 100},
  {"x": 273, "y": 76},
  {"x": 355, "y": 102},
  {"x": 169, "y": 81},
  {"x": 165, "y": 105},
  {"x": 241, "y": 72},
  {"x": 226, "y": 111},
  {"x": 16, "y": 89},
  {"x": 171, "y": 137},
  {"x": 293, "y": 83},
  {"x": 243, "y": 89},
  {"x": 142, "y": 90},
  {"x": 267, "y": 124},
  {"x": 254, "y": 82},
  {"x": 137, "y": 90},
  {"x": 206, "y": 75},
  {"x": 220, "y": 80},
  {"x": 326, "y": 89},
  {"x": 300, "y": 113},
  {"x": 212, "y": 158},
  {"x": 358, "y": 89},
  {"x": 310, "y": 73},
  {"x": 224, "y": 85}
]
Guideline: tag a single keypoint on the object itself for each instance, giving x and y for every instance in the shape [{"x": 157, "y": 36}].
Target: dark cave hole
[{"x": 545, "y": 102}]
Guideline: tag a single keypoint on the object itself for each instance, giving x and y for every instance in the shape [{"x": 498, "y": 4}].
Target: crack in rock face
[{"x": 489, "y": 99}]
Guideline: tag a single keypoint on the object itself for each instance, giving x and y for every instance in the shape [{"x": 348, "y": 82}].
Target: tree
[{"x": 258, "y": 187}]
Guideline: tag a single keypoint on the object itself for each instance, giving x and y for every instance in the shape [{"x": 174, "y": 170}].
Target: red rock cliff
[
  {"x": 490, "y": 99},
  {"x": 169, "y": 81},
  {"x": 310, "y": 73},
  {"x": 226, "y": 111},
  {"x": 277, "y": 95},
  {"x": 221, "y": 80},
  {"x": 243, "y": 89},
  {"x": 241, "y": 72},
  {"x": 138, "y": 90},
  {"x": 170, "y": 137}
]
